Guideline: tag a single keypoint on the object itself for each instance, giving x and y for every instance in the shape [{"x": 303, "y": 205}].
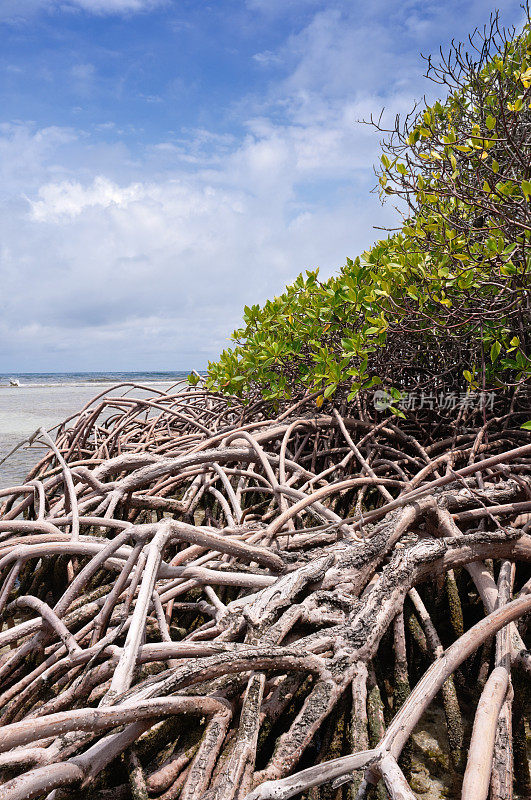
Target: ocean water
[{"x": 46, "y": 399}]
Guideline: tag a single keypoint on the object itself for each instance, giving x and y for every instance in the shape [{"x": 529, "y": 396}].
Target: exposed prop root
[{"x": 199, "y": 601}]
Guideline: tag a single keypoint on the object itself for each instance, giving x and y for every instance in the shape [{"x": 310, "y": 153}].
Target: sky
[{"x": 164, "y": 162}]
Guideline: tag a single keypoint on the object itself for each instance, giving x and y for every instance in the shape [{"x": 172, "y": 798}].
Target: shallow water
[{"x": 44, "y": 400}]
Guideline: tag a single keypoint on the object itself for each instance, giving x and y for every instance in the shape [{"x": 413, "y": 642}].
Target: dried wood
[{"x": 196, "y": 591}]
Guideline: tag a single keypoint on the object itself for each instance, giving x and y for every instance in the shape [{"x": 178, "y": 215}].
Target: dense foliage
[{"x": 444, "y": 303}]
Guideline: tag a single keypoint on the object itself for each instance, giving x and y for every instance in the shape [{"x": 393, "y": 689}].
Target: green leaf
[
  {"x": 490, "y": 122},
  {"x": 526, "y": 426},
  {"x": 504, "y": 188},
  {"x": 526, "y": 188},
  {"x": 495, "y": 351},
  {"x": 467, "y": 376},
  {"x": 397, "y": 412}
]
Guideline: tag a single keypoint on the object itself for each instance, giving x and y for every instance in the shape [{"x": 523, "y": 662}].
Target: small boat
[{"x": 14, "y": 382}]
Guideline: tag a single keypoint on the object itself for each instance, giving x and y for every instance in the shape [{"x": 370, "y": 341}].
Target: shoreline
[{"x": 46, "y": 403}]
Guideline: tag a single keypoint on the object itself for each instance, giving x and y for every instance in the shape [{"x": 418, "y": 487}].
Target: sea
[{"x": 46, "y": 399}]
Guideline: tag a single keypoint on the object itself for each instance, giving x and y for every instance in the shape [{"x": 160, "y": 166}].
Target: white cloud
[
  {"x": 267, "y": 58},
  {"x": 112, "y": 6},
  {"x": 83, "y": 72},
  {"x": 27, "y": 155},
  {"x": 70, "y": 199},
  {"x": 158, "y": 270},
  {"x": 18, "y": 11}
]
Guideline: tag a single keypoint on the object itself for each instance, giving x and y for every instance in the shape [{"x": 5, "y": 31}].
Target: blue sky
[{"x": 164, "y": 162}]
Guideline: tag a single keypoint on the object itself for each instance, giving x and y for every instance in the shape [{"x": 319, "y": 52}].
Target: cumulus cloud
[
  {"x": 161, "y": 268},
  {"x": 70, "y": 198}
]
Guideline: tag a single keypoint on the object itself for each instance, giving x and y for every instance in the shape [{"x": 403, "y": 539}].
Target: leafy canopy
[{"x": 445, "y": 301}]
